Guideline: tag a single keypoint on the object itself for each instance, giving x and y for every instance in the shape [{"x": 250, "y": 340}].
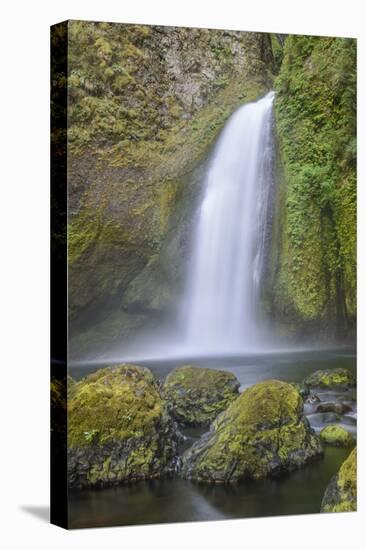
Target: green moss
[
  {"x": 336, "y": 436},
  {"x": 261, "y": 433},
  {"x": 118, "y": 429},
  {"x": 315, "y": 112},
  {"x": 197, "y": 395},
  {"x": 330, "y": 377},
  {"x": 341, "y": 494},
  {"x": 137, "y": 140},
  {"x": 113, "y": 404}
]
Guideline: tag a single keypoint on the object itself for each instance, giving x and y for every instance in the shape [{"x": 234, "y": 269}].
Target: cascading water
[{"x": 220, "y": 307}]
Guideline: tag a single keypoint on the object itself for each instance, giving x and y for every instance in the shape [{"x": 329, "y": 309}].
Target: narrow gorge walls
[{"x": 146, "y": 105}]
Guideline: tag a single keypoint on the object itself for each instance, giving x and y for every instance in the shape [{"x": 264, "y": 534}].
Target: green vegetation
[
  {"x": 341, "y": 494},
  {"x": 145, "y": 106},
  {"x": 315, "y": 256},
  {"x": 196, "y": 396},
  {"x": 262, "y": 433},
  {"x": 336, "y": 436},
  {"x": 113, "y": 403},
  {"x": 118, "y": 429},
  {"x": 330, "y": 378}
]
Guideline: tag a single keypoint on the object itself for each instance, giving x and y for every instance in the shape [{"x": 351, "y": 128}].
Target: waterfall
[{"x": 221, "y": 301}]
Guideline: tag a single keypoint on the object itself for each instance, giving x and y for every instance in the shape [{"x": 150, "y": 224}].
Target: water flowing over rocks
[
  {"x": 195, "y": 396},
  {"x": 263, "y": 433},
  {"x": 222, "y": 298}
]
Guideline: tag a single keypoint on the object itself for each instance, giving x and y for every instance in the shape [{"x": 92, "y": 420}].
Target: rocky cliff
[{"x": 145, "y": 106}]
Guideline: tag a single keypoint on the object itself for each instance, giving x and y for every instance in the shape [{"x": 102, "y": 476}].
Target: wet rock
[
  {"x": 339, "y": 408},
  {"x": 341, "y": 493},
  {"x": 118, "y": 429},
  {"x": 331, "y": 378},
  {"x": 336, "y": 436},
  {"x": 312, "y": 398},
  {"x": 195, "y": 396},
  {"x": 263, "y": 433},
  {"x": 303, "y": 390}
]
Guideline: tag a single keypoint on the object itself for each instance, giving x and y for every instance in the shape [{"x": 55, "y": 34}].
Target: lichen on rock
[
  {"x": 195, "y": 396},
  {"x": 328, "y": 378},
  {"x": 341, "y": 493},
  {"x": 118, "y": 429},
  {"x": 262, "y": 433},
  {"x": 336, "y": 436}
]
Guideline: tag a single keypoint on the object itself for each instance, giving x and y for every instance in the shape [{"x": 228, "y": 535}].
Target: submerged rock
[
  {"x": 263, "y": 433},
  {"x": 330, "y": 378},
  {"x": 195, "y": 396},
  {"x": 338, "y": 408},
  {"x": 341, "y": 493},
  {"x": 336, "y": 436},
  {"x": 118, "y": 428}
]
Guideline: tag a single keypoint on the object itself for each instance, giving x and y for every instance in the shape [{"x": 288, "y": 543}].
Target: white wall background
[{"x": 24, "y": 272}]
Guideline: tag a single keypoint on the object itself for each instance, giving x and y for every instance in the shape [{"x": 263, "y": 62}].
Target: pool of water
[{"x": 175, "y": 500}]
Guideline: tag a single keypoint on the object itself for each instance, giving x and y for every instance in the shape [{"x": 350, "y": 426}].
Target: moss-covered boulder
[
  {"x": 262, "y": 433},
  {"x": 336, "y": 436},
  {"x": 118, "y": 429},
  {"x": 329, "y": 378},
  {"x": 341, "y": 493},
  {"x": 195, "y": 396}
]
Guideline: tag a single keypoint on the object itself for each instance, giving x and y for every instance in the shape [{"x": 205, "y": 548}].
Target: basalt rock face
[
  {"x": 118, "y": 429},
  {"x": 195, "y": 396},
  {"x": 145, "y": 106},
  {"x": 262, "y": 433},
  {"x": 341, "y": 493}
]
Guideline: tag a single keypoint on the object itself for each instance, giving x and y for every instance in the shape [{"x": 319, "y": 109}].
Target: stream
[{"x": 174, "y": 499}]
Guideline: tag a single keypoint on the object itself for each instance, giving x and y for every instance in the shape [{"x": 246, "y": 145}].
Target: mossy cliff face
[
  {"x": 118, "y": 429},
  {"x": 145, "y": 106},
  {"x": 314, "y": 256},
  {"x": 195, "y": 396},
  {"x": 262, "y": 433},
  {"x": 341, "y": 493}
]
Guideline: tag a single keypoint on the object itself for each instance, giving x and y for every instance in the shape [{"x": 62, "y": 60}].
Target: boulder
[
  {"x": 331, "y": 378},
  {"x": 336, "y": 436},
  {"x": 262, "y": 433},
  {"x": 118, "y": 428},
  {"x": 341, "y": 493},
  {"x": 195, "y": 396}
]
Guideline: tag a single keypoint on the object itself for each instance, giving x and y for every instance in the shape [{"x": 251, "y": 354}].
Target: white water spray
[{"x": 222, "y": 297}]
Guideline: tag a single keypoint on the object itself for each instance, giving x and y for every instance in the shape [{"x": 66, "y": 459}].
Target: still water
[{"x": 174, "y": 499}]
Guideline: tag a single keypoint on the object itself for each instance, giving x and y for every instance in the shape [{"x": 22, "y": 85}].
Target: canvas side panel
[{"x": 59, "y": 36}]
